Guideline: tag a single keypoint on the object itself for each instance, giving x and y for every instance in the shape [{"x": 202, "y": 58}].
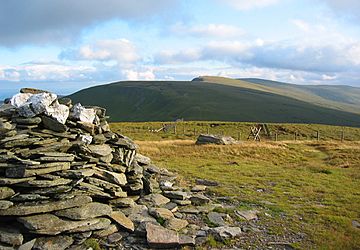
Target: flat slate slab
[
  {"x": 87, "y": 211},
  {"x": 50, "y": 224},
  {"x": 21, "y": 210},
  {"x": 159, "y": 237}
]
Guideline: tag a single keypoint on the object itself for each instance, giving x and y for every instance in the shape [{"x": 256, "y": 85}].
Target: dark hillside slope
[{"x": 197, "y": 100}]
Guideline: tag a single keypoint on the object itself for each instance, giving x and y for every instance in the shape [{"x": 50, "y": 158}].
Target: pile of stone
[
  {"x": 215, "y": 139},
  {"x": 66, "y": 177}
]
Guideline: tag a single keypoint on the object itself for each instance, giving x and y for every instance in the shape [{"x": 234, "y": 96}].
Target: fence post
[
  {"x": 194, "y": 131},
  {"x": 184, "y": 129},
  {"x": 239, "y": 136},
  {"x": 208, "y": 130},
  {"x": 318, "y": 135},
  {"x": 342, "y": 136},
  {"x": 276, "y": 137},
  {"x": 175, "y": 129}
]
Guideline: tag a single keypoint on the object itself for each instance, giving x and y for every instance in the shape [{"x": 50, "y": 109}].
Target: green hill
[{"x": 213, "y": 98}]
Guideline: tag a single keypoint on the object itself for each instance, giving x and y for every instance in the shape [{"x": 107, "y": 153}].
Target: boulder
[
  {"x": 215, "y": 139},
  {"x": 159, "y": 237}
]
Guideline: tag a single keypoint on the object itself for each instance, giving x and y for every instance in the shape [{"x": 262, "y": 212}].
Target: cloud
[
  {"x": 210, "y": 30},
  {"x": 120, "y": 50},
  {"x": 348, "y": 7},
  {"x": 43, "y": 21},
  {"x": 250, "y": 4}
]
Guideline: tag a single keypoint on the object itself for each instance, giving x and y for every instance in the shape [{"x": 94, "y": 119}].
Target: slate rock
[
  {"x": 49, "y": 224},
  {"x": 60, "y": 242},
  {"x": 247, "y": 215},
  {"x": 53, "y": 124},
  {"x": 159, "y": 237},
  {"x": 101, "y": 223},
  {"x": 161, "y": 213},
  {"x": 26, "y": 209},
  {"x": 199, "y": 199},
  {"x": 122, "y": 220},
  {"x": 11, "y": 236},
  {"x": 225, "y": 232},
  {"x": 87, "y": 211},
  {"x": 216, "y": 218},
  {"x": 175, "y": 224},
  {"x": 4, "y": 204},
  {"x": 215, "y": 139},
  {"x": 28, "y": 245},
  {"x": 6, "y": 192},
  {"x": 178, "y": 195},
  {"x": 206, "y": 182}
]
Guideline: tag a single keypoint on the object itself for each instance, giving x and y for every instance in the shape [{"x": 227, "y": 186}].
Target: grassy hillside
[
  {"x": 307, "y": 193},
  {"x": 201, "y": 100}
]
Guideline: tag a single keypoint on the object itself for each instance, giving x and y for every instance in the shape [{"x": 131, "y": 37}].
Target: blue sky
[{"x": 64, "y": 46}]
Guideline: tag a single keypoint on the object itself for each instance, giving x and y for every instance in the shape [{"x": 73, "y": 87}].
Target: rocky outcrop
[{"x": 66, "y": 177}]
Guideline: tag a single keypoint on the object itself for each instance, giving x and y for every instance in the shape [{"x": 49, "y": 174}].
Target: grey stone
[
  {"x": 20, "y": 99},
  {"x": 355, "y": 224},
  {"x": 185, "y": 240},
  {"x": 206, "y": 182},
  {"x": 11, "y": 181},
  {"x": 6, "y": 192},
  {"x": 100, "y": 150},
  {"x": 215, "y": 139},
  {"x": 29, "y": 197},
  {"x": 53, "y": 243},
  {"x": 182, "y": 202},
  {"x": 10, "y": 236},
  {"x": 4, "y": 204},
  {"x": 24, "y": 172},
  {"x": 87, "y": 211},
  {"x": 175, "y": 224},
  {"x": 58, "y": 112},
  {"x": 178, "y": 195},
  {"x": 161, "y": 213},
  {"x": 225, "y": 232},
  {"x": 115, "y": 237},
  {"x": 159, "y": 237},
  {"x": 22, "y": 209},
  {"x": 117, "y": 178},
  {"x": 216, "y": 218},
  {"x": 106, "y": 231},
  {"x": 155, "y": 200},
  {"x": 28, "y": 245},
  {"x": 247, "y": 215},
  {"x": 198, "y": 188},
  {"x": 122, "y": 202},
  {"x": 122, "y": 220},
  {"x": 28, "y": 121},
  {"x": 45, "y": 183},
  {"x": 88, "y": 127},
  {"x": 101, "y": 223},
  {"x": 199, "y": 199},
  {"x": 53, "y": 124},
  {"x": 50, "y": 224},
  {"x": 142, "y": 160}
]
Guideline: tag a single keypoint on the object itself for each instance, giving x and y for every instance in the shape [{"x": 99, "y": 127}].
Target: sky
[{"x": 64, "y": 46}]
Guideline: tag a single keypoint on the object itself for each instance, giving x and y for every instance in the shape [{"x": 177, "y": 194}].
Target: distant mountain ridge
[{"x": 217, "y": 98}]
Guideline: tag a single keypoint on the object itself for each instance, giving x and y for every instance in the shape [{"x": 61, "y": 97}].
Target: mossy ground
[{"x": 315, "y": 186}]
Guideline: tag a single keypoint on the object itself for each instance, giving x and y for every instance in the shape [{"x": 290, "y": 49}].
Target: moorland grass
[{"x": 307, "y": 187}]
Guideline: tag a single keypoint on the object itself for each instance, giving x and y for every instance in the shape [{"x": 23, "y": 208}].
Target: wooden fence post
[
  {"x": 194, "y": 131},
  {"x": 276, "y": 137},
  {"x": 318, "y": 135},
  {"x": 239, "y": 136},
  {"x": 342, "y": 136},
  {"x": 175, "y": 129},
  {"x": 295, "y": 136}
]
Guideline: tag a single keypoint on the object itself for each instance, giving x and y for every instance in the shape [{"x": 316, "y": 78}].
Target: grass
[
  {"x": 306, "y": 187},
  {"x": 238, "y": 130}
]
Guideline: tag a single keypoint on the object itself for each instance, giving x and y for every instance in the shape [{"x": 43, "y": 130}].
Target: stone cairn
[{"x": 66, "y": 178}]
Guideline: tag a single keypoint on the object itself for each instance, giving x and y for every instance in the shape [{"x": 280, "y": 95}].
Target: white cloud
[
  {"x": 210, "y": 30},
  {"x": 132, "y": 74},
  {"x": 56, "y": 21},
  {"x": 301, "y": 24},
  {"x": 250, "y": 4},
  {"x": 120, "y": 50}
]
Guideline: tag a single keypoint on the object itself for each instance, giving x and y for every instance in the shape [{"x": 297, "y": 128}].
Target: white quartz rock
[
  {"x": 58, "y": 111},
  {"x": 40, "y": 102},
  {"x": 83, "y": 114},
  {"x": 87, "y": 139},
  {"x": 20, "y": 99}
]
